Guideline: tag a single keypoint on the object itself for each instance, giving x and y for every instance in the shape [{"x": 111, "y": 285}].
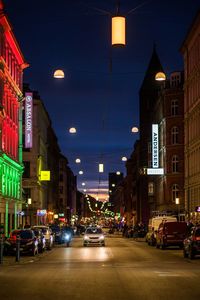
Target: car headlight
[
  {"x": 101, "y": 237},
  {"x": 86, "y": 237}
]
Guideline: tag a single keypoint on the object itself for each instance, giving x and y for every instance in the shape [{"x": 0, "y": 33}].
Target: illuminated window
[
  {"x": 175, "y": 163},
  {"x": 151, "y": 188},
  {"x": 175, "y": 192},
  {"x": 26, "y": 173},
  {"x": 174, "y": 135}
]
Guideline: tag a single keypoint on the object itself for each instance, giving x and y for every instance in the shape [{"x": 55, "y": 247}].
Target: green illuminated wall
[{"x": 10, "y": 177}]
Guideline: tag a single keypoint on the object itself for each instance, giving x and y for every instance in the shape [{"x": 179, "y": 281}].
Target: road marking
[{"x": 167, "y": 274}]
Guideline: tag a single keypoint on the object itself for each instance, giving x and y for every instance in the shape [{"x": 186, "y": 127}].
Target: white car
[
  {"x": 93, "y": 236},
  {"x": 47, "y": 232}
]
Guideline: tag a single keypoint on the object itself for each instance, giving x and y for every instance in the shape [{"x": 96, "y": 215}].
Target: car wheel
[
  {"x": 33, "y": 252},
  {"x": 157, "y": 245},
  {"x": 163, "y": 246},
  {"x": 185, "y": 254},
  {"x": 191, "y": 254},
  {"x": 85, "y": 245}
]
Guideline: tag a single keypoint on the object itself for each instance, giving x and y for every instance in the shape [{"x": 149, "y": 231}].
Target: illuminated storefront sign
[
  {"x": 155, "y": 170},
  {"x": 28, "y": 119},
  {"x": 45, "y": 175},
  {"x": 155, "y": 147}
]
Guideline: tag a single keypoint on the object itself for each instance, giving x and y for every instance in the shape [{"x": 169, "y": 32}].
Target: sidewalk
[{"x": 11, "y": 260}]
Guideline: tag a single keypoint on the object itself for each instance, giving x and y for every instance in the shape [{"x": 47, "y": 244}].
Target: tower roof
[{"x": 153, "y": 68}]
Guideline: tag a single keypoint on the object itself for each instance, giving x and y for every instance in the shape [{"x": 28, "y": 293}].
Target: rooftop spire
[{"x": 153, "y": 68}]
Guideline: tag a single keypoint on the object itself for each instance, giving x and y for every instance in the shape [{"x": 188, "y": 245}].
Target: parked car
[
  {"x": 93, "y": 236},
  {"x": 191, "y": 245},
  {"x": 28, "y": 242},
  {"x": 153, "y": 227},
  {"x": 171, "y": 234},
  {"x": 41, "y": 240},
  {"x": 47, "y": 232}
]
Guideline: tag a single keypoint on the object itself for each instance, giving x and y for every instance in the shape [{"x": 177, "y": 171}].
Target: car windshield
[
  {"x": 93, "y": 231},
  {"x": 26, "y": 235},
  {"x": 55, "y": 228}
]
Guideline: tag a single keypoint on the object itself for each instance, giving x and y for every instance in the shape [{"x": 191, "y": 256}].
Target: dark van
[{"x": 171, "y": 234}]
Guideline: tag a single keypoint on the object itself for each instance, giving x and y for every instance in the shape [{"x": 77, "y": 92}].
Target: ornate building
[
  {"x": 12, "y": 64},
  {"x": 191, "y": 55}
]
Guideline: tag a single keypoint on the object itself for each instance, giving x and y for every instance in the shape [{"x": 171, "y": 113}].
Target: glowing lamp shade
[
  {"x": 72, "y": 130},
  {"x": 160, "y": 76},
  {"x": 59, "y": 74},
  {"x": 101, "y": 168},
  {"x": 78, "y": 161},
  {"x": 118, "y": 31},
  {"x": 124, "y": 158},
  {"x": 134, "y": 129},
  {"x": 118, "y": 173},
  {"x": 80, "y": 172}
]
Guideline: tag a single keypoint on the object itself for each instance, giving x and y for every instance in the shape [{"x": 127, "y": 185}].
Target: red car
[
  {"x": 171, "y": 234},
  {"x": 28, "y": 242}
]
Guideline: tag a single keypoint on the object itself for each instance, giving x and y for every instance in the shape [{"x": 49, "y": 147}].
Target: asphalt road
[{"x": 124, "y": 269}]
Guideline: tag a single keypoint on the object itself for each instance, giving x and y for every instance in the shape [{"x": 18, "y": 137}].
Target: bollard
[
  {"x": 1, "y": 250},
  {"x": 18, "y": 249}
]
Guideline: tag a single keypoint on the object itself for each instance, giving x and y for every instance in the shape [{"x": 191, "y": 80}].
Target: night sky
[{"x": 102, "y": 104}]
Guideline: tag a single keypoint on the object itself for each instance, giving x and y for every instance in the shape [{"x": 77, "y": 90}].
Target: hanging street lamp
[{"x": 59, "y": 74}]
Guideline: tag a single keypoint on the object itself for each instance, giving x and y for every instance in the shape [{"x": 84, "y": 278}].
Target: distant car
[
  {"x": 191, "y": 245},
  {"x": 93, "y": 236},
  {"x": 28, "y": 242},
  {"x": 47, "y": 232},
  {"x": 171, "y": 234},
  {"x": 41, "y": 240},
  {"x": 56, "y": 230}
]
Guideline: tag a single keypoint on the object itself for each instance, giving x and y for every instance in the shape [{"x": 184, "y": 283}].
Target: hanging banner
[{"x": 28, "y": 119}]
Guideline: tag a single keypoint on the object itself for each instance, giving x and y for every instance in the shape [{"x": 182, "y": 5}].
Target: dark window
[{"x": 26, "y": 173}]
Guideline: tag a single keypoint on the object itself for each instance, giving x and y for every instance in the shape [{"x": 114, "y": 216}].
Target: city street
[{"x": 124, "y": 269}]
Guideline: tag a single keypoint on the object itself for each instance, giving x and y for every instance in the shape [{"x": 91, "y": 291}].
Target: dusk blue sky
[{"x": 75, "y": 36}]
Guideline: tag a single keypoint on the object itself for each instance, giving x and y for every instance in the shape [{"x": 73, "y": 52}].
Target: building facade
[
  {"x": 35, "y": 160},
  {"x": 191, "y": 54},
  {"x": 12, "y": 64},
  {"x": 167, "y": 191}
]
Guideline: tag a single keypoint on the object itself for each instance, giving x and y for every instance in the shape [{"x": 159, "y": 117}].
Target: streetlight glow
[
  {"x": 118, "y": 30},
  {"x": 134, "y": 129},
  {"x": 160, "y": 76},
  {"x": 100, "y": 168},
  {"x": 78, "y": 161},
  {"x": 59, "y": 74},
  {"x": 124, "y": 158},
  {"x": 80, "y": 172},
  {"x": 72, "y": 130}
]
